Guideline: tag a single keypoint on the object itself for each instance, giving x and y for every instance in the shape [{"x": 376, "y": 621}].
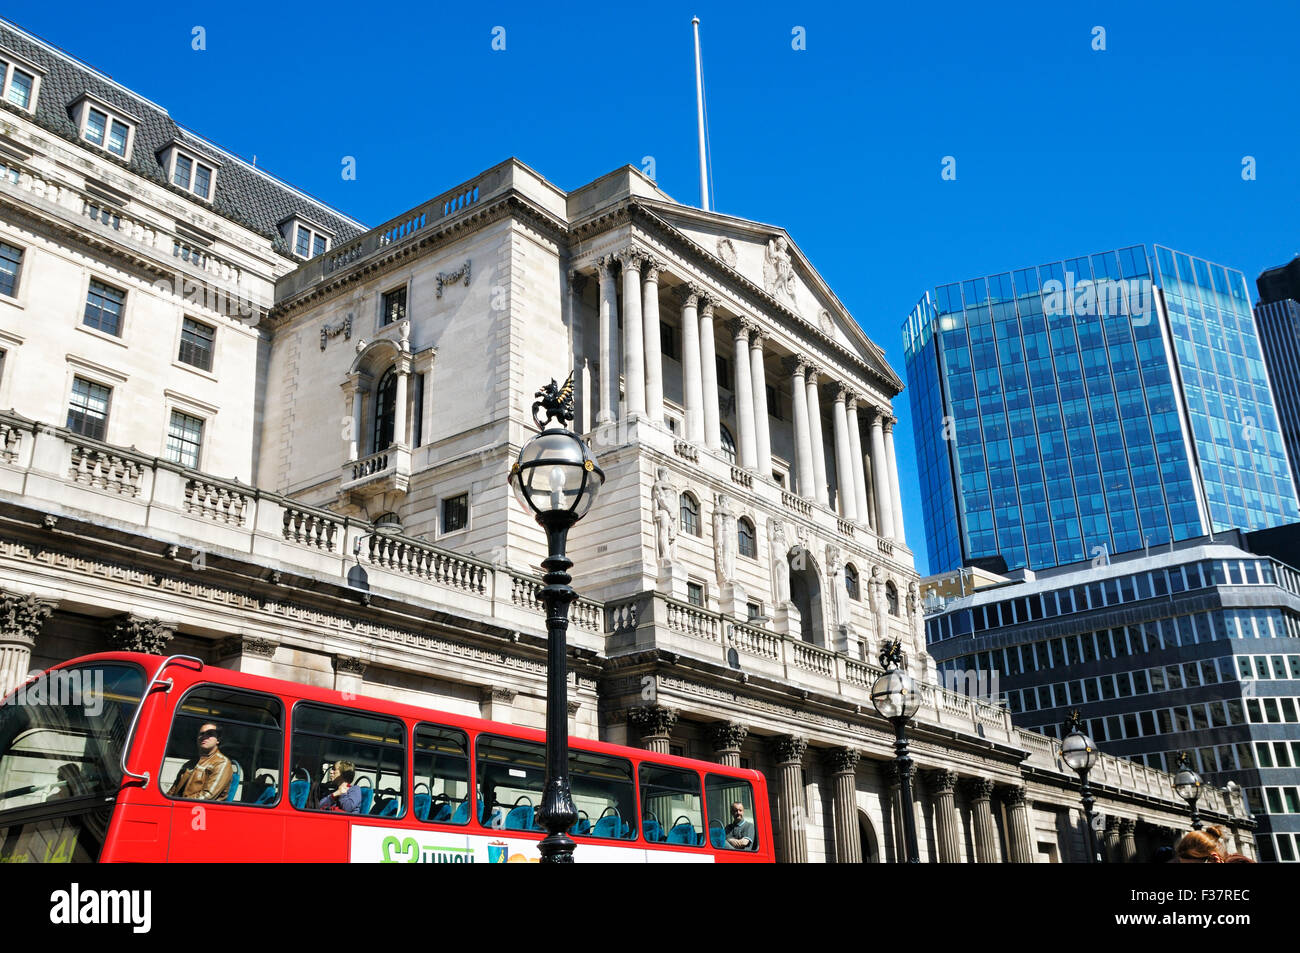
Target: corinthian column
[
  {"x": 880, "y": 478},
  {"x": 608, "y": 340},
  {"x": 655, "y": 724},
  {"x": 980, "y": 792},
  {"x": 855, "y": 462},
  {"x": 896, "y": 501},
  {"x": 654, "y": 352},
  {"x": 726, "y": 738},
  {"x": 692, "y": 382},
  {"x": 633, "y": 340},
  {"x": 802, "y": 440},
  {"x": 709, "y": 378},
  {"x": 843, "y": 465},
  {"x": 1128, "y": 851},
  {"x": 578, "y": 352},
  {"x": 744, "y": 395},
  {"x": 1020, "y": 835},
  {"x": 762, "y": 435},
  {"x": 792, "y": 842},
  {"x": 941, "y": 783},
  {"x": 820, "y": 489},
  {"x": 841, "y": 765},
  {"x": 21, "y": 620}
]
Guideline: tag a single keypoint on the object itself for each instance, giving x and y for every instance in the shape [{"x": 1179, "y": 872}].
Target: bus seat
[
  {"x": 717, "y": 835},
  {"x": 609, "y": 826},
  {"x": 236, "y": 775},
  {"x": 443, "y": 814},
  {"x": 298, "y": 791},
  {"x": 268, "y": 791},
  {"x": 653, "y": 832},
  {"x": 683, "y": 834},
  {"x": 520, "y": 818},
  {"x": 462, "y": 812},
  {"x": 422, "y": 803},
  {"x": 391, "y": 808},
  {"x": 582, "y": 826}
]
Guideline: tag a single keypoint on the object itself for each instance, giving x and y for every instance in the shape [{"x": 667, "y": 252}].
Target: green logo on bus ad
[{"x": 397, "y": 850}]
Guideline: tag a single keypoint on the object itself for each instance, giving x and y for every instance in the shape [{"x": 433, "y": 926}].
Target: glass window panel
[
  {"x": 226, "y": 746},
  {"x": 671, "y": 806}
]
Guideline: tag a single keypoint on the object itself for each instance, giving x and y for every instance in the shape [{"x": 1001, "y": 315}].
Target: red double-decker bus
[{"x": 128, "y": 757}]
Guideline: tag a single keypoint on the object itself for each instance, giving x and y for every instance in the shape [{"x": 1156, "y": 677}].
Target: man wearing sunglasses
[{"x": 207, "y": 777}]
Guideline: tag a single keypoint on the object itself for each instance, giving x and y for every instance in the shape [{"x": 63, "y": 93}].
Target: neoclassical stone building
[{"x": 219, "y": 385}]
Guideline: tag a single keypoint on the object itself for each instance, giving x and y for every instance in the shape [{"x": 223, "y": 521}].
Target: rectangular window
[
  {"x": 20, "y": 88},
  {"x": 668, "y": 342},
  {"x": 88, "y": 411},
  {"x": 11, "y": 260},
  {"x": 196, "y": 344},
  {"x": 334, "y": 746},
  {"x": 392, "y": 307},
  {"x": 104, "y": 308},
  {"x": 184, "y": 171},
  {"x": 671, "y": 806},
  {"x": 730, "y": 803},
  {"x": 117, "y": 135},
  {"x": 96, "y": 123},
  {"x": 441, "y": 792},
  {"x": 244, "y": 729},
  {"x": 695, "y": 594},
  {"x": 318, "y": 245},
  {"x": 303, "y": 245},
  {"x": 455, "y": 513},
  {"x": 202, "y": 181},
  {"x": 184, "y": 439}
]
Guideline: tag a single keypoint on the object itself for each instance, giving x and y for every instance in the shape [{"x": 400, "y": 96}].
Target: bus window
[
  {"x": 441, "y": 775},
  {"x": 671, "y": 808},
  {"x": 603, "y": 793},
  {"x": 729, "y": 830},
  {"x": 510, "y": 776},
  {"x": 331, "y": 744},
  {"x": 225, "y": 746}
]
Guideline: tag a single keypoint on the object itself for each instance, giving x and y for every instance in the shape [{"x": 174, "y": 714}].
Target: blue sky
[{"x": 1060, "y": 149}]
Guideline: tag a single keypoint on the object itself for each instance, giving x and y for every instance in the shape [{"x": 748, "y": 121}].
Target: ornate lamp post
[
  {"x": 1187, "y": 785},
  {"x": 1080, "y": 754},
  {"x": 896, "y": 699},
  {"x": 556, "y": 480}
]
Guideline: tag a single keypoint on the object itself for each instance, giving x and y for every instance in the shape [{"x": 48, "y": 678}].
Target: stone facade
[{"x": 742, "y": 567}]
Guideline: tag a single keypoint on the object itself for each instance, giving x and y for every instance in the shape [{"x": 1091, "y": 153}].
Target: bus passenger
[
  {"x": 207, "y": 777},
  {"x": 740, "y": 832},
  {"x": 346, "y": 797}
]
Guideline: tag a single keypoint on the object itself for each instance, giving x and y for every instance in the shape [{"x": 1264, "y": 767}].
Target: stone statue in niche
[
  {"x": 778, "y": 272},
  {"x": 839, "y": 591},
  {"x": 779, "y": 545},
  {"x": 879, "y": 607},
  {"x": 665, "y": 516},
  {"x": 724, "y": 539}
]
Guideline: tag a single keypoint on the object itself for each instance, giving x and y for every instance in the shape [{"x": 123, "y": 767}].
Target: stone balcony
[{"x": 383, "y": 472}]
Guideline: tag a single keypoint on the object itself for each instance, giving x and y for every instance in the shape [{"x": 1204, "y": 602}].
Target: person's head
[
  {"x": 209, "y": 737},
  {"x": 1163, "y": 855},
  {"x": 1237, "y": 859},
  {"x": 343, "y": 771},
  {"x": 737, "y": 811},
  {"x": 1200, "y": 847}
]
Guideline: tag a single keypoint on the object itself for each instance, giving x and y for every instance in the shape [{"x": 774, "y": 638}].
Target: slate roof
[{"x": 247, "y": 196}]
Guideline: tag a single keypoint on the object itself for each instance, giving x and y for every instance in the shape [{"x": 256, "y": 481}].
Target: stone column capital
[
  {"x": 789, "y": 749},
  {"x": 707, "y": 304},
  {"x": 652, "y": 720},
  {"x": 727, "y": 735},
  {"x": 739, "y": 329},
  {"x": 757, "y": 337},
  {"x": 1112, "y": 823},
  {"x": 940, "y": 781},
  {"x": 605, "y": 267},
  {"x": 131, "y": 633},
  {"x": 1127, "y": 826},
  {"x": 1014, "y": 795},
  {"x": 887, "y": 421},
  {"x": 252, "y": 645},
  {"x": 811, "y": 373},
  {"x": 573, "y": 705},
  {"x": 889, "y": 771},
  {"x": 630, "y": 258},
  {"x": 349, "y": 664},
  {"x": 851, "y": 405},
  {"x": 498, "y": 693},
  {"x": 650, "y": 270},
  {"x": 577, "y": 281},
  {"x": 794, "y": 365},
  {"x": 842, "y": 394},
  {"x": 978, "y": 789},
  {"x": 21, "y": 617},
  {"x": 690, "y": 294},
  {"x": 841, "y": 760},
  {"x": 875, "y": 415}
]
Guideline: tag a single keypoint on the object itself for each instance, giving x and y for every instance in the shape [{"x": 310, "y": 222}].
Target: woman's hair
[
  {"x": 1200, "y": 845},
  {"x": 347, "y": 770}
]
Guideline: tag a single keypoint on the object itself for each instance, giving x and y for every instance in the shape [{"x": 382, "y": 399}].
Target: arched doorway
[
  {"x": 806, "y": 594},
  {"x": 867, "y": 835}
]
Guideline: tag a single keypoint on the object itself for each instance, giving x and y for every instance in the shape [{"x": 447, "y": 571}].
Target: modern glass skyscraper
[
  {"x": 1088, "y": 405},
  {"x": 1278, "y": 318}
]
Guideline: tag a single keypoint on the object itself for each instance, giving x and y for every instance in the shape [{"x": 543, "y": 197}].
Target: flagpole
[{"x": 699, "y": 110}]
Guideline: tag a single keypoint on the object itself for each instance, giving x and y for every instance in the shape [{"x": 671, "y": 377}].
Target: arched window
[
  {"x": 851, "y": 581},
  {"x": 728, "y": 444},
  {"x": 385, "y": 401},
  {"x": 891, "y": 598},
  {"x": 745, "y": 543},
  {"x": 690, "y": 515}
]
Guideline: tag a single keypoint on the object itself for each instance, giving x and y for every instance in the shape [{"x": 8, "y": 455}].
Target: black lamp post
[
  {"x": 896, "y": 699},
  {"x": 1187, "y": 785},
  {"x": 556, "y": 480},
  {"x": 1080, "y": 754}
]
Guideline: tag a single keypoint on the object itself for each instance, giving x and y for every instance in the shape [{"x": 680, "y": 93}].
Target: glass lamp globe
[
  {"x": 894, "y": 695},
  {"x": 1078, "y": 751},
  {"x": 556, "y": 476},
  {"x": 1187, "y": 784}
]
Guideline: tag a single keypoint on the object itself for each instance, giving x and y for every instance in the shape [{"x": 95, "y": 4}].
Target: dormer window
[
  {"x": 188, "y": 170},
  {"x": 307, "y": 239},
  {"x": 19, "y": 81},
  {"x": 105, "y": 126}
]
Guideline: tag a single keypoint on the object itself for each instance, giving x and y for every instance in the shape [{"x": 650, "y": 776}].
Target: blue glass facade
[{"x": 1097, "y": 402}]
